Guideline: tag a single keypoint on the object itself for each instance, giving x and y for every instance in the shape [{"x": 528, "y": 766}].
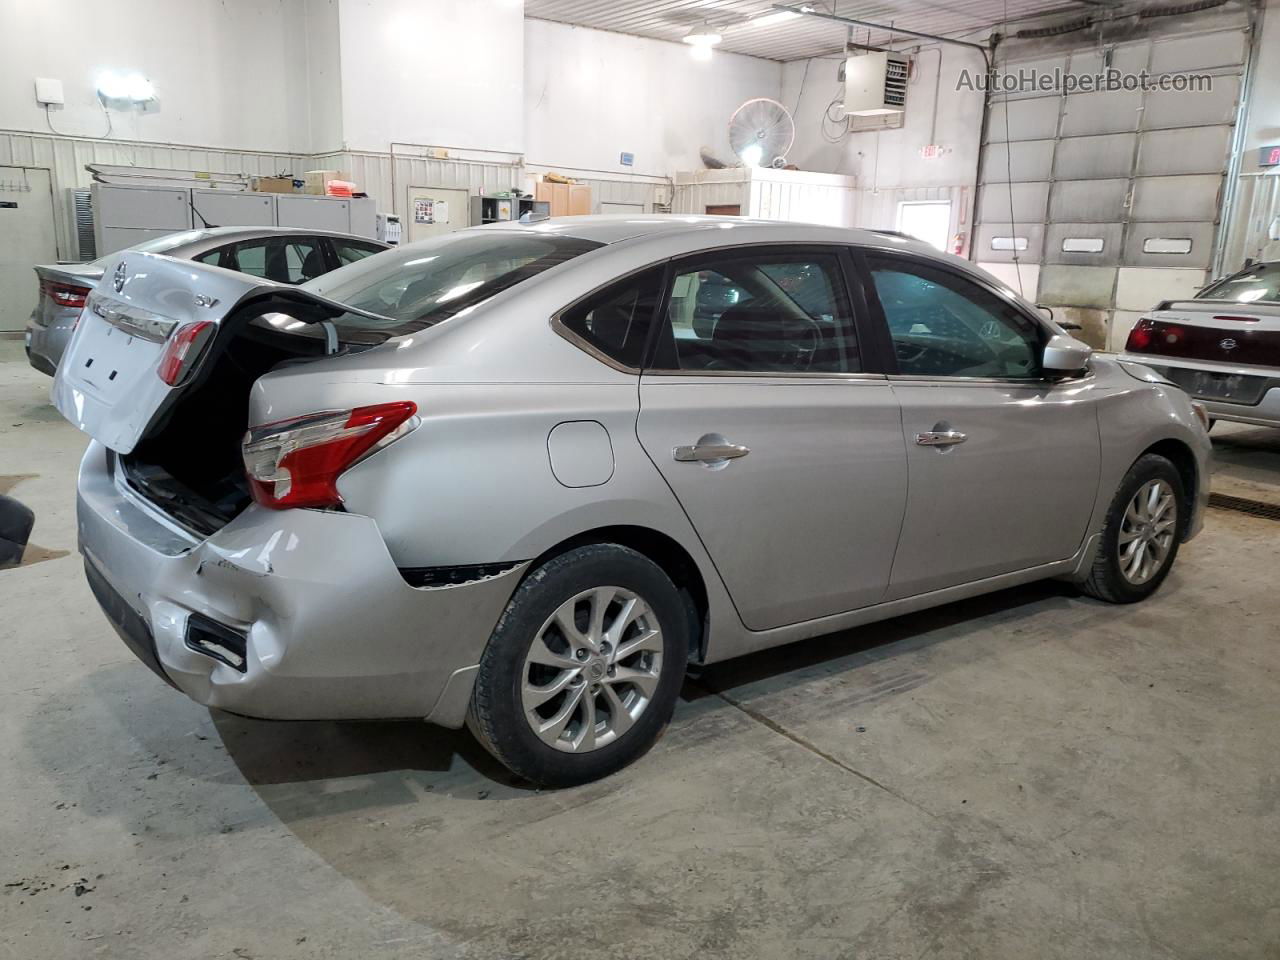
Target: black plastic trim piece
[
  {"x": 453, "y": 576},
  {"x": 217, "y": 640}
]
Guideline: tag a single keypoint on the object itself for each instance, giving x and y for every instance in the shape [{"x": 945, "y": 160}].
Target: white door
[
  {"x": 435, "y": 210},
  {"x": 26, "y": 238},
  {"x": 929, "y": 221}
]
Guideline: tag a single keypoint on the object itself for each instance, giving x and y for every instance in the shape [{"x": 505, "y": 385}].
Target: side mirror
[{"x": 1065, "y": 356}]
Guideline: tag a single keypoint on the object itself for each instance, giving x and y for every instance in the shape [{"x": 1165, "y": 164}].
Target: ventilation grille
[
  {"x": 1254, "y": 508},
  {"x": 82, "y": 224},
  {"x": 895, "y": 83}
]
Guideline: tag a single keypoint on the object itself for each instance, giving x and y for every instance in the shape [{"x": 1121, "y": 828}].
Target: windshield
[
  {"x": 1261, "y": 282},
  {"x": 421, "y": 284}
]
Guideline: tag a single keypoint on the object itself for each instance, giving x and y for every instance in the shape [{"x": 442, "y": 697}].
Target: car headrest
[{"x": 611, "y": 323}]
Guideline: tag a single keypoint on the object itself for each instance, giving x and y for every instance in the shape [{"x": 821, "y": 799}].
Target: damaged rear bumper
[{"x": 330, "y": 628}]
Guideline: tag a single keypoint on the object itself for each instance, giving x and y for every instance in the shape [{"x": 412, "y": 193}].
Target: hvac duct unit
[
  {"x": 80, "y": 210},
  {"x": 875, "y": 84}
]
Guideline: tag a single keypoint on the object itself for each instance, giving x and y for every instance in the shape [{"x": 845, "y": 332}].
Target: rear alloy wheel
[
  {"x": 1141, "y": 534},
  {"x": 582, "y": 673},
  {"x": 592, "y": 670}
]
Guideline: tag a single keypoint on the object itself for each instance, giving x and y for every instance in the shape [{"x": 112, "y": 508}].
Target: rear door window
[
  {"x": 765, "y": 311},
  {"x": 283, "y": 259}
]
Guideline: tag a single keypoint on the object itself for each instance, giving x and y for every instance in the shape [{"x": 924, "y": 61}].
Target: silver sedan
[
  {"x": 277, "y": 253},
  {"x": 521, "y": 476}
]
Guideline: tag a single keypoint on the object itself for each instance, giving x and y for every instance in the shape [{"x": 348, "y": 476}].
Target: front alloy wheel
[
  {"x": 1148, "y": 531},
  {"x": 1140, "y": 535}
]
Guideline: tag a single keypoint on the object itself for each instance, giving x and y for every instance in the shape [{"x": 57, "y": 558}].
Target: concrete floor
[{"x": 1028, "y": 775}]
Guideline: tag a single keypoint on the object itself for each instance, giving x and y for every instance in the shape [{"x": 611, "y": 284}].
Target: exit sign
[{"x": 1269, "y": 156}]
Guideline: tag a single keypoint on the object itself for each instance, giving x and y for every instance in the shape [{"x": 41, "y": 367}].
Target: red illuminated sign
[{"x": 1269, "y": 157}]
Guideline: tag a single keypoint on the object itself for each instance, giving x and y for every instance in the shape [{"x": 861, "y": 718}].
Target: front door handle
[
  {"x": 703, "y": 452},
  {"x": 941, "y": 438}
]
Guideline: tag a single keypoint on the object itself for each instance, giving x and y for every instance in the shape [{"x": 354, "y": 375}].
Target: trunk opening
[{"x": 188, "y": 463}]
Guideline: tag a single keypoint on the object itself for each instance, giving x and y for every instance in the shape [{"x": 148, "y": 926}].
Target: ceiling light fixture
[
  {"x": 778, "y": 16},
  {"x": 702, "y": 36}
]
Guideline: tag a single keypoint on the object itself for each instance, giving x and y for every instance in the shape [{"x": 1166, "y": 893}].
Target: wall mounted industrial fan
[{"x": 761, "y": 132}]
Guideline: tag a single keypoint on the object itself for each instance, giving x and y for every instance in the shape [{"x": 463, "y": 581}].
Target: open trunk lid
[{"x": 109, "y": 382}]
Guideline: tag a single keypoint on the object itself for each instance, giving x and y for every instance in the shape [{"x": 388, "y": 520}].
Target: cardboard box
[
  {"x": 317, "y": 180},
  {"x": 274, "y": 185}
]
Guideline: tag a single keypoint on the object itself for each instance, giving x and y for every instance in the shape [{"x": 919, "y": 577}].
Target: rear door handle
[
  {"x": 702, "y": 452},
  {"x": 941, "y": 438}
]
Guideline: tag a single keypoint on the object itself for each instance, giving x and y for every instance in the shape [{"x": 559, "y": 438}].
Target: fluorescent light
[
  {"x": 702, "y": 36},
  {"x": 752, "y": 155},
  {"x": 778, "y": 16},
  {"x": 133, "y": 87}
]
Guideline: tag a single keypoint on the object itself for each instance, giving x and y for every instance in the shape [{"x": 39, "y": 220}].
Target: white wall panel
[
  {"x": 1072, "y": 286},
  {"x": 590, "y": 96},
  {"x": 1094, "y": 158},
  {"x": 1174, "y": 108},
  {"x": 228, "y": 73},
  {"x": 1168, "y": 152},
  {"x": 1141, "y": 288},
  {"x": 1106, "y": 111},
  {"x": 1025, "y": 161},
  {"x": 432, "y": 71}
]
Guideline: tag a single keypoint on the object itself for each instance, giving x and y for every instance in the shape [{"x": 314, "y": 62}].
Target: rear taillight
[
  {"x": 1238, "y": 319},
  {"x": 1140, "y": 335},
  {"x": 64, "y": 294},
  {"x": 183, "y": 350},
  {"x": 296, "y": 463}
]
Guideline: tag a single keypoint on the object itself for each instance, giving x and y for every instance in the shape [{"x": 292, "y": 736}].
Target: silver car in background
[
  {"x": 520, "y": 476},
  {"x": 275, "y": 253}
]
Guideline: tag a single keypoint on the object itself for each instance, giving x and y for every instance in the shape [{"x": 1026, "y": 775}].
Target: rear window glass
[
  {"x": 421, "y": 284},
  {"x": 1257, "y": 283}
]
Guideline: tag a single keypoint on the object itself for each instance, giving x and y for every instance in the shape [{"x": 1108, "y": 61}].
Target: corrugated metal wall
[
  {"x": 769, "y": 194},
  {"x": 1113, "y": 196},
  {"x": 878, "y": 209},
  {"x": 65, "y": 158},
  {"x": 1257, "y": 206}
]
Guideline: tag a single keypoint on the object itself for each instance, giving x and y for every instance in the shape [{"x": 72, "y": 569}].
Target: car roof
[
  {"x": 221, "y": 233},
  {"x": 614, "y": 228}
]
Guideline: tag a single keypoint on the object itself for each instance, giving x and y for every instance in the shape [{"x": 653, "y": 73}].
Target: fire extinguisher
[{"x": 957, "y": 244}]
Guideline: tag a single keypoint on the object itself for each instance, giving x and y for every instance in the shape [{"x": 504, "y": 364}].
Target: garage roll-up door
[{"x": 1109, "y": 200}]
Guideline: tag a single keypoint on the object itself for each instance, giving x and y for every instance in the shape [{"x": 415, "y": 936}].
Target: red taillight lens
[
  {"x": 296, "y": 463},
  {"x": 64, "y": 294},
  {"x": 183, "y": 349},
  {"x": 1140, "y": 335}
]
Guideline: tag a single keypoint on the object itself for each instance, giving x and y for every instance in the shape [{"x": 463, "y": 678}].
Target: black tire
[
  {"x": 1106, "y": 580},
  {"x": 497, "y": 716}
]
